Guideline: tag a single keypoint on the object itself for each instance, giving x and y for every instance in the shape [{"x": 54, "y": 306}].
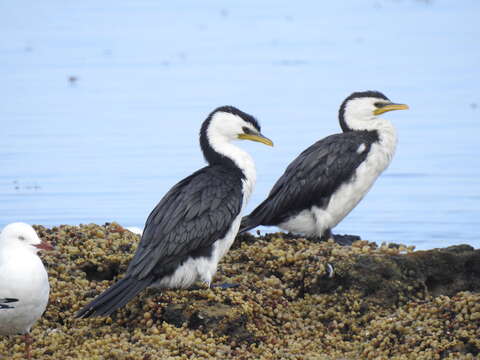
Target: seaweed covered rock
[
  {"x": 397, "y": 279},
  {"x": 295, "y": 299}
]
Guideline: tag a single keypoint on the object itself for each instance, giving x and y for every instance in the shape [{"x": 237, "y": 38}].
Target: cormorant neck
[
  {"x": 212, "y": 155},
  {"x": 353, "y": 123},
  {"x": 218, "y": 150},
  {"x": 341, "y": 119}
]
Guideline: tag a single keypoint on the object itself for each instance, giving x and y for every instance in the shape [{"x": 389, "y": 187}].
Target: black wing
[
  {"x": 5, "y": 301},
  {"x": 311, "y": 178},
  {"x": 194, "y": 214}
]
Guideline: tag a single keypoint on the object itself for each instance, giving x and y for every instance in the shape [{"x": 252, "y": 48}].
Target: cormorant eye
[{"x": 246, "y": 130}]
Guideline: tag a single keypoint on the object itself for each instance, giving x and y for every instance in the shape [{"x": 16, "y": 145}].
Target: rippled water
[{"x": 101, "y": 103}]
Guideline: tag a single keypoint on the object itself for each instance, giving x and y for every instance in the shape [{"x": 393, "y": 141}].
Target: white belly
[
  {"x": 314, "y": 221},
  {"x": 201, "y": 268},
  {"x": 302, "y": 223},
  {"x": 204, "y": 268},
  {"x": 27, "y": 282}
]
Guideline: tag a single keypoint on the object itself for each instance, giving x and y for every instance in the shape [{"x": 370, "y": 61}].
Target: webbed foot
[
  {"x": 226, "y": 286},
  {"x": 346, "y": 240}
]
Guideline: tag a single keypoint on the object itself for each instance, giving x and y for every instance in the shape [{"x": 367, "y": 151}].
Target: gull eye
[
  {"x": 246, "y": 130},
  {"x": 21, "y": 237}
]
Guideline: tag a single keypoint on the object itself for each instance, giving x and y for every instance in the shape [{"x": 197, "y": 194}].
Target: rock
[
  {"x": 296, "y": 299},
  {"x": 390, "y": 279},
  {"x": 218, "y": 318}
]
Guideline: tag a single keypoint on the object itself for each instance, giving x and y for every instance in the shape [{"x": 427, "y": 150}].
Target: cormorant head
[
  {"x": 360, "y": 108},
  {"x": 21, "y": 235},
  {"x": 229, "y": 123},
  {"x": 224, "y": 125}
]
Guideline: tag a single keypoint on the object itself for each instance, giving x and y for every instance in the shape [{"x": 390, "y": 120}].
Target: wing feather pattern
[
  {"x": 311, "y": 178},
  {"x": 191, "y": 216}
]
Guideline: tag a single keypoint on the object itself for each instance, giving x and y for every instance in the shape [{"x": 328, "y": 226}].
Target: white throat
[
  {"x": 222, "y": 145},
  {"x": 386, "y": 131},
  {"x": 387, "y": 137},
  {"x": 361, "y": 122}
]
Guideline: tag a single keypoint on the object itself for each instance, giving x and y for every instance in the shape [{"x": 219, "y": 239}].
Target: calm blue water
[{"x": 107, "y": 146}]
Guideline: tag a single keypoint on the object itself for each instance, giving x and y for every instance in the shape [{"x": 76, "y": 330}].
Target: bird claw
[
  {"x": 342, "y": 240},
  {"x": 225, "y": 286},
  {"x": 345, "y": 240}
]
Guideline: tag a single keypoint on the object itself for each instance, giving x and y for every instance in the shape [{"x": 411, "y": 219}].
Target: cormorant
[
  {"x": 195, "y": 223},
  {"x": 327, "y": 180}
]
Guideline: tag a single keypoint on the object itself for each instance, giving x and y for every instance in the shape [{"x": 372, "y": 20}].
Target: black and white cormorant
[
  {"x": 196, "y": 222},
  {"x": 5, "y": 303},
  {"x": 327, "y": 180}
]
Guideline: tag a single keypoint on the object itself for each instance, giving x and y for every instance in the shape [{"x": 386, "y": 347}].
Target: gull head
[{"x": 22, "y": 235}]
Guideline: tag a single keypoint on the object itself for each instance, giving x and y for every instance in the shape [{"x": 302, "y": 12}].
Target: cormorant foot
[
  {"x": 343, "y": 240},
  {"x": 316, "y": 239},
  {"x": 346, "y": 240},
  {"x": 226, "y": 286},
  {"x": 327, "y": 234},
  {"x": 201, "y": 285}
]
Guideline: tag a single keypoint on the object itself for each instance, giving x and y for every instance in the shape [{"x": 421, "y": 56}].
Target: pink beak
[{"x": 44, "y": 245}]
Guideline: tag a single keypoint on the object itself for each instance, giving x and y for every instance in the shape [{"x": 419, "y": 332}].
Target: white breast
[
  {"x": 203, "y": 268},
  {"x": 314, "y": 221},
  {"x": 22, "y": 277}
]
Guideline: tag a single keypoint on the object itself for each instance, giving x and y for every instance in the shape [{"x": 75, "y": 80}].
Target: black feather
[
  {"x": 5, "y": 301},
  {"x": 114, "y": 297},
  {"x": 311, "y": 178},
  {"x": 190, "y": 218},
  {"x": 8, "y": 300},
  {"x": 175, "y": 231}
]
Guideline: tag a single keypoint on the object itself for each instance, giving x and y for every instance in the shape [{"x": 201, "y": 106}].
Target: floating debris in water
[
  {"x": 72, "y": 79},
  {"x": 32, "y": 186}
]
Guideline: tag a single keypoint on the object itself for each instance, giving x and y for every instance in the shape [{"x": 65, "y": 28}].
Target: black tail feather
[
  {"x": 8, "y": 300},
  {"x": 5, "y": 301},
  {"x": 247, "y": 224},
  {"x": 114, "y": 297}
]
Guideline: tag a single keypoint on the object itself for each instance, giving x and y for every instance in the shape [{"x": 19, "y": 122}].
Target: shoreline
[{"x": 374, "y": 302}]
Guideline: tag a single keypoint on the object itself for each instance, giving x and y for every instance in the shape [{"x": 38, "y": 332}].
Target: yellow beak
[
  {"x": 390, "y": 107},
  {"x": 256, "y": 137}
]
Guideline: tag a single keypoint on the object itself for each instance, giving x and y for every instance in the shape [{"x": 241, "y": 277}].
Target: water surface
[{"x": 101, "y": 103}]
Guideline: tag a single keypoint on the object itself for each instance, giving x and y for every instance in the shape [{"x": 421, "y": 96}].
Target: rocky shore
[{"x": 295, "y": 299}]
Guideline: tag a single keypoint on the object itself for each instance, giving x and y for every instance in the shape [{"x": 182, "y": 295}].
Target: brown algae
[{"x": 379, "y": 302}]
